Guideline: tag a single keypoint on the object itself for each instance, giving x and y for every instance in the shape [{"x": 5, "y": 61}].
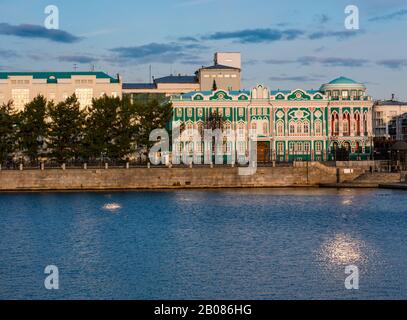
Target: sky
[{"x": 284, "y": 44}]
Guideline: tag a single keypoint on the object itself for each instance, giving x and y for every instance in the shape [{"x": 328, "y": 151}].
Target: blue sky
[{"x": 284, "y": 44}]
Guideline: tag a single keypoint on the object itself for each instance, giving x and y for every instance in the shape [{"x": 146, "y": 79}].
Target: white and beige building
[
  {"x": 389, "y": 118},
  {"x": 22, "y": 87}
]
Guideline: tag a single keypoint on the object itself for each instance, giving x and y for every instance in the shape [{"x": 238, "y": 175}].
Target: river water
[{"x": 206, "y": 244}]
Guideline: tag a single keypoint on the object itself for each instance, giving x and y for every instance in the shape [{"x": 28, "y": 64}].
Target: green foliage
[
  {"x": 109, "y": 128},
  {"x": 32, "y": 128},
  {"x": 214, "y": 86},
  {"x": 8, "y": 122},
  {"x": 151, "y": 116},
  {"x": 65, "y": 129}
]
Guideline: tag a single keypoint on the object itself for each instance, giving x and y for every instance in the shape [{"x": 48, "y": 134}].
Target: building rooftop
[
  {"x": 176, "y": 79},
  {"x": 52, "y": 77},
  {"x": 219, "y": 67},
  {"x": 343, "y": 80},
  {"x": 390, "y": 103},
  {"x": 138, "y": 86}
]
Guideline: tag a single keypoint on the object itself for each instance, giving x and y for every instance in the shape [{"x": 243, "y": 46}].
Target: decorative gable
[
  {"x": 298, "y": 95},
  {"x": 220, "y": 95}
]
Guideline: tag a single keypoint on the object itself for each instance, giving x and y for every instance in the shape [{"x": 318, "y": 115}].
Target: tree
[
  {"x": 65, "y": 131},
  {"x": 214, "y": 121},
  {"x": 32, "y": 128},
  {"x": 214, "y": 86},
  {"x": 150, "y": 116},
  {"x": 8, "y": 122},
  {"x": 110, "y": 128}
]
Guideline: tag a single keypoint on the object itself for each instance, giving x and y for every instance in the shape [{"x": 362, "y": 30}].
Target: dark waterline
[{"x": 205, "y": 244}]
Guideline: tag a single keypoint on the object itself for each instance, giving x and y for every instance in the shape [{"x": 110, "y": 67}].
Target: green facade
[{"x": 290, "y": 125}]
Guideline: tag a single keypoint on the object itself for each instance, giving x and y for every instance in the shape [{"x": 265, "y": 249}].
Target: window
[
  {"x": 345, "y": 94},
  {"x": 179, "y": 112},
  {"x": 189, "y": 112},
  {"x": 318, "y": 147},
  {"x": 227, "y": 112},
  {"x": 292, "y": 128},
  {"x": 20, "y": 97},
  {"x": 84, "y": 96},
  {"x": 280, "y": 148},
  {"x": 318, "y": 128},
  {"x": 241, "y": 129},
  {"x": 280, "y": 129},
  {"x": 241, "y": 113},
  {"x": 299, "y": 127},
  {"x": 265, "y": 128},
  {"x": 307, "y": 147},
  {"x": 306, "y": 127},
  {"x": 291, "y": 147},
  {"x": 234, "y": 76}
]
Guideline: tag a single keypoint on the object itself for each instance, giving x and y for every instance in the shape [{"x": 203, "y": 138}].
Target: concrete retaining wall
[{"x": 156, "y": 178}]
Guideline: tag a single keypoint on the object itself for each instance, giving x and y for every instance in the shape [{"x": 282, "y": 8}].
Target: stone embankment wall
[
  {"x": 301, "y": 174},
  {"x": 305, "y": 174}
]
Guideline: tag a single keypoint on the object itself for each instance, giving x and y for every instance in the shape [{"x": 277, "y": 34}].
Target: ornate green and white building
[{"x": 312, "y": 125}]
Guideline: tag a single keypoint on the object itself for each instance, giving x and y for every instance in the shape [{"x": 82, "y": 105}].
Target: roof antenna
[
  {"x": 150, "y": 77},
  {"x": 75, "y": 67}
]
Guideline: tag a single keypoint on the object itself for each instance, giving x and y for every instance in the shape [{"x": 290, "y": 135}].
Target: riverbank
[{"x": 312, "y": 174}]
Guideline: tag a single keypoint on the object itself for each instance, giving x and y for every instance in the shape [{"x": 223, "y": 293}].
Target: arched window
[
  {"x": 241, "y": 129},
  {"x": 299, "y": 128},
  {"x": 365, "y": 124},
  {"x": 280, "y": 129},
  {"x": 265, "y": 128},
  {"x": 306, "y": 127},
  {"x": 318, "y": 128},
  {"x": 292, "y": 128},
  {"x": 335, "y": 124},
  {"x": 346, "y": 124},
  {"x": 357, "y": 124},
  {"x": 307, "y": 147}
]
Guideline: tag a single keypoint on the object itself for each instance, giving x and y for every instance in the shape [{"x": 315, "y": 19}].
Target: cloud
[
  {"x": 256, "y": 35},
  {"x": 332, "y": 61},
  {"x": 340, "y": 35},
  {"x": 77, "y": 58},
  {"x": 157, "y": 52},
  {"x": 393, "y": 63},
  {"x": 6, "y": 54},
  {"x": 35, "y": 31},
  {"x": 325, "y": 61},
  {"x": 394, "y": 15},
  {"x": 279, "y": 61},
  {"x": 188, "y": 39},
  {"x": 296, "y": 78}
]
